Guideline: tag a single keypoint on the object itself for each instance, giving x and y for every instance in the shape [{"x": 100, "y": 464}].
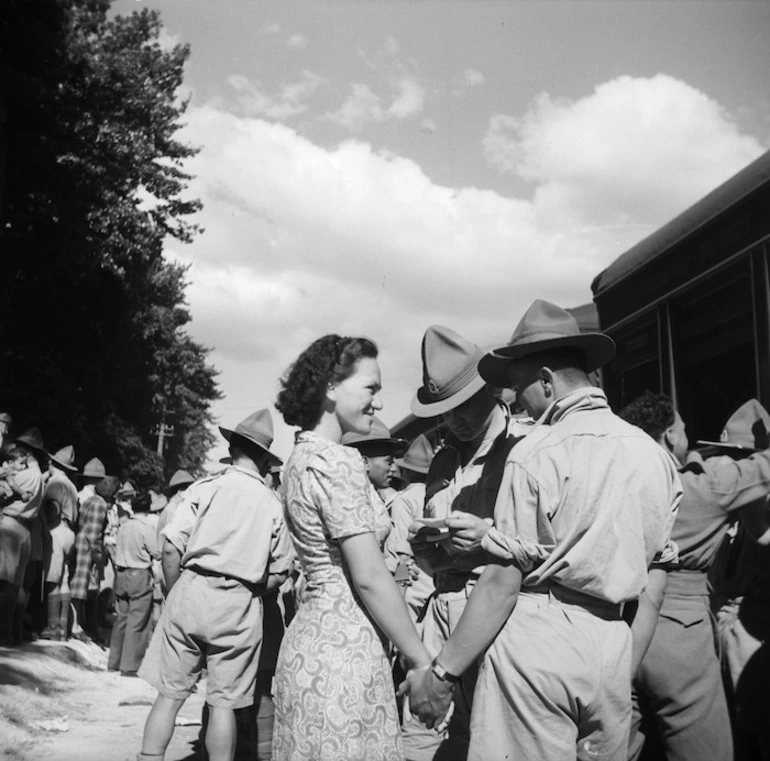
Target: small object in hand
[
  {"x": 402, "y": 575},
  {"x": 429, "y": 530}
]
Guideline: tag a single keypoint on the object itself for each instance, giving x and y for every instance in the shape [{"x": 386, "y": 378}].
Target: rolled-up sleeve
[
  {"x": 178, "y": 530},
  {"x": 520, "y": 535}
]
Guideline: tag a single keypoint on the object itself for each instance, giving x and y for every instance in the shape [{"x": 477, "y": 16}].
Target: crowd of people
[
  {"x": 81, "y": 564},
  {"x": 550, "y": 580}
]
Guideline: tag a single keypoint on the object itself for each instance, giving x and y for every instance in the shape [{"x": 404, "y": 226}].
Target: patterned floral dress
[{"x": 334, "y": 696}]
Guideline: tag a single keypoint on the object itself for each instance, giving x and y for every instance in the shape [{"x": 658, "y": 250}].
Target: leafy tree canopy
[{"x": 93, "y": 341}]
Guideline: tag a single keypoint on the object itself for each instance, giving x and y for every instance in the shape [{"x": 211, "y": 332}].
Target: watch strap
[{"x": 442, "y": 674}]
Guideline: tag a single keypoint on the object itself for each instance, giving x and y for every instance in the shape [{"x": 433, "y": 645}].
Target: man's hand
[
  {"x": 420, "y": 547},
  {"x": 429, "y": 698},
  {"x": 467, "y": 530}
]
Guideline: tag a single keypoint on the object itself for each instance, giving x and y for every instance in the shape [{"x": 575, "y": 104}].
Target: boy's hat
[
  {"x": 66, "y": 458},
  {"x": 748, "y": 429},
  {"x": 157, "y": 501},
  {"x": 545, "y": 326},
  {"x": 419, "y": 455},
  {"x": 257, "y": 429},
  {"x": 178, "y": 480},
  {"x": 378, "y": 438},
  {"x": 94, "y": 468},
  {"x": 450, "y": 373},
  {"x": 5, "y": 418},
  {"x": 126, "y": 490},
  {"x": 33, "y": 439}
]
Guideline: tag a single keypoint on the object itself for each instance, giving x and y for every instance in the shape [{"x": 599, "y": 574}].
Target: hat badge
[{"x": 433, "y": 387}]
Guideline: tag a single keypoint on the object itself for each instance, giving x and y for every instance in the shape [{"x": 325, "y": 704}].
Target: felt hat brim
[
  {"x": 388, "y": 446},
  {"x": 65, "y": 465},
  {"x": 598, "y": 348},
  {"x": 422, "y": 406},
  {"x": 414, "y": 467},
  {"x": 229, "y": 435}
]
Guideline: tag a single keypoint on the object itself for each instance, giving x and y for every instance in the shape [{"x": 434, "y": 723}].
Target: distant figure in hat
[
  {"x": 124, "y": 500},
  {"x": 174, "y": 493},
  {"x": 59, "y": 488},
  {"x": 90, "y": 558},
  {"x": 226, "y": 547},
  {"x": 136, "y": 549},
  {"x": 334, "y": 694},
  {"x": 93, "y": 472},
  {"x": 407, "y": 507},
  {"x": 585, "y": 508},
  {"x": 680, "y": 676},
  {"x": 60, "y": 506},
  {"x": 379, "y": 451},
  {"x": 460, "y": 491},
  {"x": 18, "y": 522},
  {"x": 157, "y": 503},
  {"x": 740, "y": 576},
  {"x": 117, "y": 514}
]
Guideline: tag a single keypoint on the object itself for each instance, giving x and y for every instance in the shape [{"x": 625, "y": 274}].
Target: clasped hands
[{"x": 430, "y": 698}]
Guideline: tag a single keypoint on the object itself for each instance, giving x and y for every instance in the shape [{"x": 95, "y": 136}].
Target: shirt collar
[
  {"x": 586, "y": 398},
  {"x": 247, "y": 472}
]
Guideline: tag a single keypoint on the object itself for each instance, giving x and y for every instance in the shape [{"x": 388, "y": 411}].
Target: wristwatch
[{"x": 442, "y": 674}]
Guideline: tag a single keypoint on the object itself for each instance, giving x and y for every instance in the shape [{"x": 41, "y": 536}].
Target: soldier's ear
[{"x": 545, "y": 375}]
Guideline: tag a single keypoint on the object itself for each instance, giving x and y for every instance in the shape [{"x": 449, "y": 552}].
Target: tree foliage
[{"x": 93, "y": 341}]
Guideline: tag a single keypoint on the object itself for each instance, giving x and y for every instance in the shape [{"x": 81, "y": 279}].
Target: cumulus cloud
[
  {"x": 409, "y": 100},
  {"x": 297, "y": 41},
  {"x": 288, "y": 102},
  {"x": 360, "y": 107},
  {"x": 363, "y": 105},
  {"x": 301, "y": 239},
  {"x": 634, "y": 149},
  {"x": 469, "y": 79},
  {"x": 167, "y": 40}
]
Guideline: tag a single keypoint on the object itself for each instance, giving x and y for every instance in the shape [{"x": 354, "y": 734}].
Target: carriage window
[
  {"x": 636, "y": 367},
  {"x": 713, "y": 331}
]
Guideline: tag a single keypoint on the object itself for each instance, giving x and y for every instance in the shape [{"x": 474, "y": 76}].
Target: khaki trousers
[{"x": 555, "y": 685}]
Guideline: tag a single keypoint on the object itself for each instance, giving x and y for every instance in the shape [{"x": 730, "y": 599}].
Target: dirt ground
[{"x": 59, "y": 703}]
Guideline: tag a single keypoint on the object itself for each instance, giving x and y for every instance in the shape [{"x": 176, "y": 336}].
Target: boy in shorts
[{"x": 226, "y": 547}]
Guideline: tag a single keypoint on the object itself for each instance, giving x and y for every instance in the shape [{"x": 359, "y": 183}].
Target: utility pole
[{"x": 163, "y": 432}]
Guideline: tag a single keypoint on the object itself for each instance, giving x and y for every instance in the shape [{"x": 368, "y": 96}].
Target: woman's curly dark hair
[
  {"x": 653, "y": 413},
  {"x": 329, "y": 359}
]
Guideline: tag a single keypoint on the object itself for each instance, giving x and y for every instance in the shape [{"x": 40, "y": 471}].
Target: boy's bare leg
[
  {"x": 221, "y": 734},
  {"x": 159, "y": 727}
]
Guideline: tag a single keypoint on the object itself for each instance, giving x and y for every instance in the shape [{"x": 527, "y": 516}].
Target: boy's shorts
[{"x": 209, "y": 621}]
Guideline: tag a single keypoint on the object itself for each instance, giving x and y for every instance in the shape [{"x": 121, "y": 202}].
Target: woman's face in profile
[{"x": 357, "y": 398}]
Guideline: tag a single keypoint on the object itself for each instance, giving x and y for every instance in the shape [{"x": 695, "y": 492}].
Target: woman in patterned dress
[{"x": 334, "y": 696}]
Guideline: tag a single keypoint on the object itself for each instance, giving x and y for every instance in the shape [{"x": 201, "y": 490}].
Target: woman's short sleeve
[{"x": 343, "y": 495}]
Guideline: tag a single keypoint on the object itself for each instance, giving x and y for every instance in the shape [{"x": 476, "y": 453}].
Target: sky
[{"x": 373, "y": 168}]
